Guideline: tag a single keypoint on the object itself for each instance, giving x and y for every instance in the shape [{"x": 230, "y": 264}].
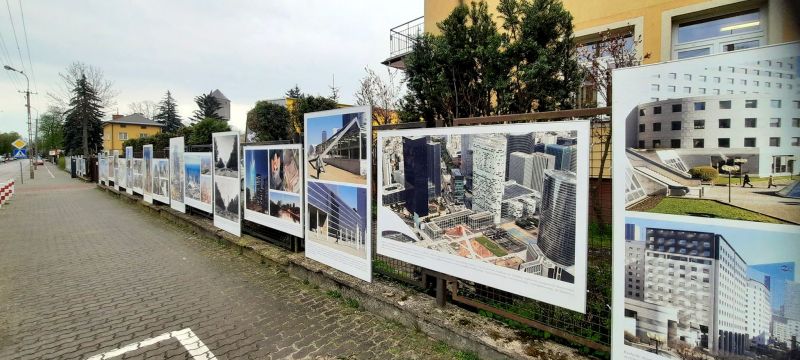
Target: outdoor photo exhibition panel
[
  {"x": 337, "y": 201},
  {"x": 114, "y": 169},
  {"x": 502, "y": 205},
  {"x": 129, "y": 169},
  {"x": 176, "y": 174},
  {"x": 147, "y": 173},
  {"x": 227, "y": 182},
  {"x": 137, "y": 176},
  {"x": 706, "y": 242},
  {"x": 198, "y": 180},
  {"x": 273, "y": 187},
  {"x": 122, "y": 175},
  {"x": 160, "y": 173},
  {"x": 102, "y": 169}
]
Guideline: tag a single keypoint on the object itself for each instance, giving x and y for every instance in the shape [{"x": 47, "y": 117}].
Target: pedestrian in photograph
[
  {"x": 747, "y": 180},
  {"x": 319, "y": 166},
  {"x": 771, "y": 182}
]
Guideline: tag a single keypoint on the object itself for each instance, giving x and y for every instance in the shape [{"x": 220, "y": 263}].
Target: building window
[
  {"x": 641, "y": 144},
  {"x": 796, "y": 104},
  {"x": 701, "y": 90},
  {"x": 656, "y": 143},
  {"x": 144, "y": 127},
  {"x": 687, "y": 89},
  {"x": 675, "y": 143},
  {"x": 725, "y": 104},
  {"x": 774, "y": 141},
  {"x": 699, "y": 106},
  {"x": 641, "y": 112},
  {"x": 750, "y": 122},
  {"x": 687, "y": 77},
  {"x": 122, "y": 125},
  {"x": 796, "y": 141},
  {"x": 671, "y": 75},
  {"x": 676, "y": 108},
  {"x": 699, "y": 124},
  {"x": 698, "y": 143},
  {"x": 724, "y": 123},
  {"x": 142, "y": 135},
  {"x": 655, "y": 87},
  {"x": 724, "y": 142},
  {"x": 796, "y": 122},
  {"x": 123, "y": 136},
  {"x": 751, "y": 104},
  {"x": 656, "y": 126},
  {"x": 729, "y": 80},
  {"x": 775, "y": 122},
  {"x": 749, "y": 142},
  {"x": 676, "y": 125},
  {"x": 736, "y": 31},
  {"x": 671, "y": 88},
  {"x": 775, "y": 104},
  {"x": 641, "y": 128},
  {"x": 657, "y": 110}
]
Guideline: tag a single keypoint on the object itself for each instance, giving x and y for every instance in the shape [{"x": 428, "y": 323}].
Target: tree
[
  {"x": 6, "y": 139},
  {"x": 473, "y": 70},
  {"x": 304, "y": 103},
  {"x": 294, "y": 92},
  {"x": 159, "y": 141},
  {"x": 202, "y": 130},
  {"x": 167, "y": 114},
  {"x": 207, "y": 106},
  {"x": 268, "y": 121},
  {"x": 613, "y": 50},
  {"x": 146, "y": 107},
  {"x": 83, "y": 130},
  {"x": 51, "y": 130},
  {"x": 62, "y": 95},
  {"x": 383, "y": 96}
]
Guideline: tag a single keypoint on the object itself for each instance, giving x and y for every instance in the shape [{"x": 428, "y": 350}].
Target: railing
[{"x": 403, "y": 36}]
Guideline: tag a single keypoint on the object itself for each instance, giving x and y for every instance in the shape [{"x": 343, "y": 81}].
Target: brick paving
[{"x": 82, "y": 274}]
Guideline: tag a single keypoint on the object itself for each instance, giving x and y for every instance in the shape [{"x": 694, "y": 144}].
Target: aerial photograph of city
[
  {"x": 502, "y": 198},
  {"x": 699, "y": 290},
  {"x": 717, "y": 137},
  {"x": 337, "y": 148},
  {"x": 198, "y": 176}
]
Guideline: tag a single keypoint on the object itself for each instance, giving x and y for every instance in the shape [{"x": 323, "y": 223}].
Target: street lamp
[
  {"x": 28, "y": 106},
  {"x": 730, "y": 169}
]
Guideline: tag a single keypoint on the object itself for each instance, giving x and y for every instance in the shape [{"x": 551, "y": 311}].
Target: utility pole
[{"x": 28, "y": 106}]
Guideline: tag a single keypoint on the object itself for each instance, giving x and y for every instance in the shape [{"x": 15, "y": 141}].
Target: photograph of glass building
[
  {"x": 709, "y": 291},
  {"x": 506, "y": 199},
  {"x": 337, "y": 217}
]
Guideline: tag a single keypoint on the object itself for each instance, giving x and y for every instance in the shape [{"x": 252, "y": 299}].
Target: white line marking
[
  {"x": 48, "y": 170},
  {"x": 186, "y": 337}
]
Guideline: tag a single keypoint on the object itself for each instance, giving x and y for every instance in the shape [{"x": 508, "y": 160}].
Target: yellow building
[{"x": 121, "y": 128}]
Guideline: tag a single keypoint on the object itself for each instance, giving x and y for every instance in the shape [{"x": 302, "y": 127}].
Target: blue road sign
[{"x": 20, "y": 154}]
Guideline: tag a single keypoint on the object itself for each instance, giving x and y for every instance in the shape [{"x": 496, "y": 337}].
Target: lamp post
[
  {"x": 740, "y": 163},
  {"x": 28, "y": 106},
  {"x": 730, "y": 169}
]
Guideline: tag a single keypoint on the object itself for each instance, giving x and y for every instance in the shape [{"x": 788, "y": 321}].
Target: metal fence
[
  {"x": 590, "y": 332},
  {"x": 403, "y": 36}
]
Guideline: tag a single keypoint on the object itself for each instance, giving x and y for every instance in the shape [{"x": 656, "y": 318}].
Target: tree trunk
[{"x": 85, "y": 138}]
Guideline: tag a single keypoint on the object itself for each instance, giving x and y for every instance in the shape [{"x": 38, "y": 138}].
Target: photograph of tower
[
  {"x": 147, "y": 172},
  {"x": 176, "y": 174},
  {"x": 272, "y": 187},
  {"x": 709, "y": 290},
  {"x": 715, "y": 136},
  {"x": 337, "y": 188},
  {"x": 517, "y": 212},
  {"x": 197, "y": 180},
  {"x": 128, "y": 169},
  {"x": 227, "y": 181}
]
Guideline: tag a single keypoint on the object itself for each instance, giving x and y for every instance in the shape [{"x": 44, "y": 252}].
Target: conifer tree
[
  {"x": 168, "y": 114},
  {"x": 83, "y": 129}
]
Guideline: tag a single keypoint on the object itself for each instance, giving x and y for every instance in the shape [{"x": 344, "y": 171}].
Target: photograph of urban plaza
[
  {"x": 702, "y": 291},
  {"x": 337, "y": 149},
  {"x": 717, "y": 141},
  {"x": 503, "y": 199}
]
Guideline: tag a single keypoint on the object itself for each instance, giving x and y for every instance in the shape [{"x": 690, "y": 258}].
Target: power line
[
  {"x": 6, "y": 58},
  {"x": 14, "y": 29},
  {"x": 27, "y": 46}
]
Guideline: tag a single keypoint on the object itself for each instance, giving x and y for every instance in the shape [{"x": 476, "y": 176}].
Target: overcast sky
[{"x": 250, "y": 50}]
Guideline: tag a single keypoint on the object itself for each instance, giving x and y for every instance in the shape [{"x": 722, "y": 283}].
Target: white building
[
  {"x": 791, "y": 298},
  {"x": 785, "y": 330},
  {"x": 634, "y": 267},
  {"x": 758, "y": 312},
  {"x": 488, "y": 174},
  {"x": 528, "y": 169},
  {"x": 225, "y": 110}
]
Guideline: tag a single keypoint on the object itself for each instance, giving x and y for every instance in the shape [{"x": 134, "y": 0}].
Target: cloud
[{"x": 250, "y": 50}]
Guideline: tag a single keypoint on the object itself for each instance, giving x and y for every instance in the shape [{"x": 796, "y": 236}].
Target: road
[{"x": 83, "y": 275}]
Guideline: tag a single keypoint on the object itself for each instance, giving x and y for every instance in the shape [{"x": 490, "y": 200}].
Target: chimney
[{"x": 116, "y": 116}]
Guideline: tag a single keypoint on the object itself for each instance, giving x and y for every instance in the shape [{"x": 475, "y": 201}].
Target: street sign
[
  {"x": 19, "y": 154},
  {"x": 19, "y": 143}
]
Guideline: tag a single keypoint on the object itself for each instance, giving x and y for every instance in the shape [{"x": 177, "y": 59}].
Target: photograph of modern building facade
[
  {"x": 337, "y": 147},
  {"x": 257, "y": 180},
  {"x": 507, "y": 199},
  {"x": 147, "y": 157},
  {"x": 736, "y": 113},
  {"x": 177, "y": 169},
  {"x": 337, "y": 217},
  {"x": 709, "y": 291}
]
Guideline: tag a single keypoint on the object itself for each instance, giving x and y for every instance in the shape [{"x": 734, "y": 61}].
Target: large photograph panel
[
  {"x": 176, "y": 174},
  {"x": 161, "y": 180},
  {"x": 147, "y": 172},
  {"x": 227, "y": 183},
  {"x": 503, "y": 206},
  {"x": 198, "y": 180},
  {"x": 337, "y": 173},
  {"x": 273, "y": 190},
  {"x": 128, "y": 169}
]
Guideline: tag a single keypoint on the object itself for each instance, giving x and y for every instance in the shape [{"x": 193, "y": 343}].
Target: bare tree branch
[
  {"x": 61, "y": 95},
  {"x": 382, "y": 95}
]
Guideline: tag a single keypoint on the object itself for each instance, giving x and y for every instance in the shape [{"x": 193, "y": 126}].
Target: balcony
[{"x": 401, "y": 41}]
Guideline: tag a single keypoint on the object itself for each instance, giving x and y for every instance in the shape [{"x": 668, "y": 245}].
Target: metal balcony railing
[{"x": 403, "y": 36}]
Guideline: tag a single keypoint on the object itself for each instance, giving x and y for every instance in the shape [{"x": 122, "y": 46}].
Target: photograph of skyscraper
[
  {"x": 337, "y": 217},
  {"x": 507, "y": 199},
  {"x": 147, "y": 157},
  {"x": 700, "y": 290},
  {"x": 338, "y": 147},
  {"x": 257, "y": 180},
  {"x": 176, "y": 169}
]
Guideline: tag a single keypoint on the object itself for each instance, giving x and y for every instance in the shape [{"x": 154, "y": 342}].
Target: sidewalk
[{"x": 82, "y": 274}]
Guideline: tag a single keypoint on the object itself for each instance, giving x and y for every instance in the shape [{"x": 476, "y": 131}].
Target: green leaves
[{"x": 269, "y": 121}]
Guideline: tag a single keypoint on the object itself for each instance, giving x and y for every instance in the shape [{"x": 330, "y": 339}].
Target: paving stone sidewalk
[{"x": 82, "y": 274}]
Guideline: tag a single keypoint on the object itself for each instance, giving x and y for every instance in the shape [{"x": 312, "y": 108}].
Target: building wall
[
  {"x": 650, "y": 18},
  {"x": 111, "y": 140},
  {"x": 489, "y": 159},
  {"x": 758, "y": 312}
]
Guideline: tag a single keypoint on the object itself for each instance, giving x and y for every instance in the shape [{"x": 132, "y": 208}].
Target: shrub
[
  {"x": 704, "y": 173},
  {"x": 62, "y": 163}
]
